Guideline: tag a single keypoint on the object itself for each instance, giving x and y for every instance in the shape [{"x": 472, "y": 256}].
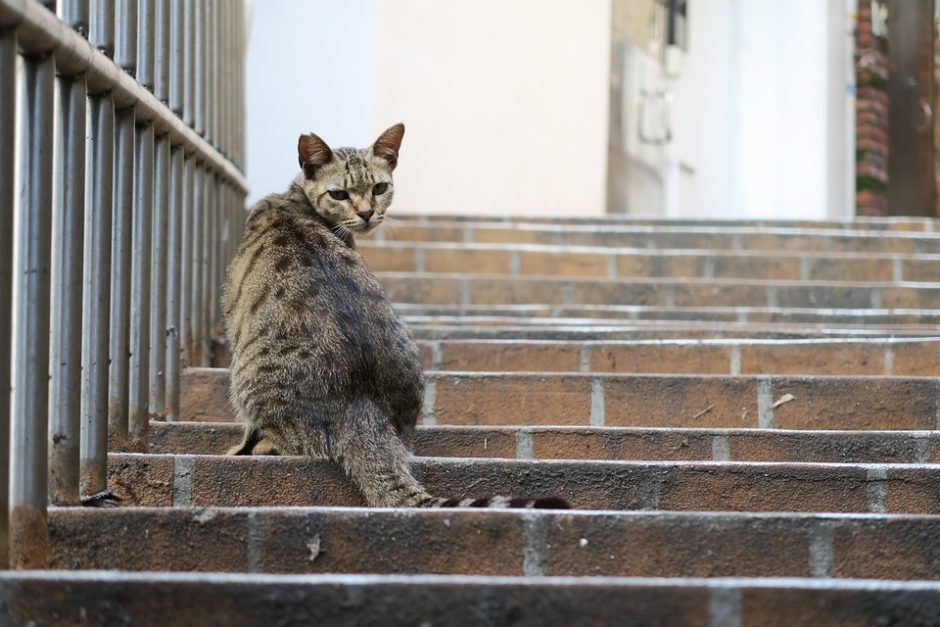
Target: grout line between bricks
[
  {"x": 597, "y": 402},
  {"x": 724, "y": 607},
  {"x": 524, "y": 443},
  {"x": 875, "y": 297},
  {"x": 877, "y": 488},
  {"x": 567, "y": 293},
  {"x": 468, "y": 234},
  {"x": 896, "y": 271},
  {"x": 772, "y": 296},
  {"x": 514, "y": 263},
  {"x": 742, "y": 314},
  {"x": 611, "y": 267},
  {"x": 670, "y": 295},
  {"x": 254, "y": 544},
  {"x": 183, "y": 481},
  {"x": 721, "y": 449},
  {"x": 584, "y": 358},
  {"x": 428, "y": 416},
  {"x": 465, "y": 296},
  {"x": 820, "y": 550},
  {"x": 534, "y": 538},
  {"x": 765, "y": 404},
  {"x": 736, "y": 242},
  {"x": 437, "y": 355},
  {"x": 735, "y": 366},
  {"x": 708, "y": 268},
  {"x": 921, "y": 449},
  {"x": 419, "y": 260},
  {"x": 804, "y": 268},
  {"x": 889, "y": 359}
]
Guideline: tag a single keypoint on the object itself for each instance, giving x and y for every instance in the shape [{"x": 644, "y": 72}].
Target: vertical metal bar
[
  {"x": 28, "y": 462},
  {"x": 74, "y": 13},
  {"x": 140, "y": 284},
  {"x": 199, "y": 68},
  {"x": 93, "y": 464},
  {"x": 177, "y": 45},
  {"x": 198, "y": 238},
  {"x": 173, "y": 293},
  {"x": 125, "y": 36},
  {"x": 212, "y": 41},
  {"x": 146, "y": 40},
  {"x": 240, "y": 85},
  {"x": 186, "y": 263},
  {"x": 161, "y": 60},
  {"x": 7, "y": 158},
  {"x": 101, "y": 29},
  {"x": 227, "y": 59},
  {"x": 158, "y": 259},
  {"x": 121, "y": 246},
  {"x": 189, "y": 61},
  {"x": 218, "y": 244},
  {"x": 208, "y": 254},
  {"x": 66, "y": 280}
]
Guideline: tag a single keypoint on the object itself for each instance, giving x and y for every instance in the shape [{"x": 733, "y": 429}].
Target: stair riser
[
  {"x": 630, "y": 330},
  {"x": 218, "y": 600},
  {"x": 556, "y": 261},
  {"x": 475, "y": 542},
  {"x": 205, "y": 481},
  {"x": 640, "y": 401},
  {"x": 651, "y": 445},
  {"x": 476, "y": 290},
  {"x": 871, "y": 358},
  {"x": 742, "y": 239}
]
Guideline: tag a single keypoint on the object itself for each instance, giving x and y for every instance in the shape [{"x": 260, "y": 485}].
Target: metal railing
[{"x": 121, "y": 200}]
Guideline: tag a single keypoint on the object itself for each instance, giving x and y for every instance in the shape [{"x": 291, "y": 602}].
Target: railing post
[
  {"x": 7, "y": 195},
  {"x": 208, "y": 248},
  {"x": 174, "y": 246},
  {"x": 93, "y": 469},
  {"x": 66, "y": 281},
  {"x": 158, "y": 271},
  {"x": 28, "y": 455},
  {"x": 186, "y": 263},
  {"x": 121, "y": 243},
  {"x": 140, "y": 285},
  {"x": 198, "y": 239}
]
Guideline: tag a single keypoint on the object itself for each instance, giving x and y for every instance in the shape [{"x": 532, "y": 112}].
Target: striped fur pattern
[{"x": 321, "y": 364}]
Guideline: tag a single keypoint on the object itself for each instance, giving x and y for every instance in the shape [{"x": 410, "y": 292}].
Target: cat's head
[{"x": 350, "y": 188}]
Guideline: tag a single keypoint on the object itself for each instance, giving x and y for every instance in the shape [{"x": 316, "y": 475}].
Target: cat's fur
[{"x": 321, "y": 365}]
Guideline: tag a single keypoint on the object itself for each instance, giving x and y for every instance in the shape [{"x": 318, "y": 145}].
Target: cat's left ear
[{"x": 388, "y": 143}]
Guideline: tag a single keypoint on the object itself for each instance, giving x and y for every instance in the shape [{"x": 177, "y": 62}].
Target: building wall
[{"x": 505, "y": 103}]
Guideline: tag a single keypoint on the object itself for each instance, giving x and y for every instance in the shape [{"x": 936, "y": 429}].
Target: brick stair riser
[
  {"x": 670, "y": 238},
  {"x": 637, "y": 263},
  {"x": 451, "y": 289},
  {"x": 735, "y": 358},
  {"x": 881, "y": 447},
  {"x": 196, "y": 600},
  {"x": 203, "y": 481},
  {"x": 641, "y": 400},
  {"x": 508, "y": 543}
]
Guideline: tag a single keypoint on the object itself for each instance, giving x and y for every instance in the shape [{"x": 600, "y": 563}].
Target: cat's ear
[
  {"x": 388, "y": 143},
  {"x": 312, "y": 152}
]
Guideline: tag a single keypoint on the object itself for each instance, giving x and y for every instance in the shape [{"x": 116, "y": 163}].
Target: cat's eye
[
  {"x": 339, "y": 194},
  {"x": 379, "y": 189}
]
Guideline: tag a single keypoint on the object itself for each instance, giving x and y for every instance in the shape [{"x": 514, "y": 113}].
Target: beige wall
[{"x": 505, "y": 103}]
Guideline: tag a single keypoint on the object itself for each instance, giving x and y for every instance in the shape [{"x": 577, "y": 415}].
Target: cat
[{"x": 321, "y": 364}]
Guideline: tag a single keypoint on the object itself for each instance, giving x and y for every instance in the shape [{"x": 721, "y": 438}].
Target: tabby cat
[{"x": 321, "y": 365}]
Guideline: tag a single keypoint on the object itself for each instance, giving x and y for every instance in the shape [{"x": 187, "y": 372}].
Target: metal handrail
[{"x": 117, "y": 283}]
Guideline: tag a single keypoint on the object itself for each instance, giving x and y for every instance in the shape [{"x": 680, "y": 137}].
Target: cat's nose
[{"x": 366, "y": 214}]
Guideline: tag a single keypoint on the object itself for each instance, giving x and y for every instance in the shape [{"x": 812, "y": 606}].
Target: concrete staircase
[{"x": 744, "y": 415}]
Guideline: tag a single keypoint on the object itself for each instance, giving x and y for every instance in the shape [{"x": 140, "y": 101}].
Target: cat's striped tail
[{"x": 546, "y": 502}]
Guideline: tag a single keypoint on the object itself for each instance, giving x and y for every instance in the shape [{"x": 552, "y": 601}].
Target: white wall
[
  {"x": 505, "y": 103},
  {"x": 309, "y": 68}
]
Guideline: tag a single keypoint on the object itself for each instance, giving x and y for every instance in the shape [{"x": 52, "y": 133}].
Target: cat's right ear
[{"x": 312, "y": 152}]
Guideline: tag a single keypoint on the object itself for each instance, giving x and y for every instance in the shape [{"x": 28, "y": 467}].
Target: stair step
[
  {"x": 598, "y": 261},
  {"x": 878, "y": 447},
  {"x": 488, "y": 542},
  {"x": 213, "y": 480},
  {"x": 447, "y": 289},
  {"x": 198, "y": 599},
  {"x": 580, "y": 399},
  {"x": 660, "y": 237},
  {"x": 733, "y": 356},
  {"x": 856, "y": 223}
]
